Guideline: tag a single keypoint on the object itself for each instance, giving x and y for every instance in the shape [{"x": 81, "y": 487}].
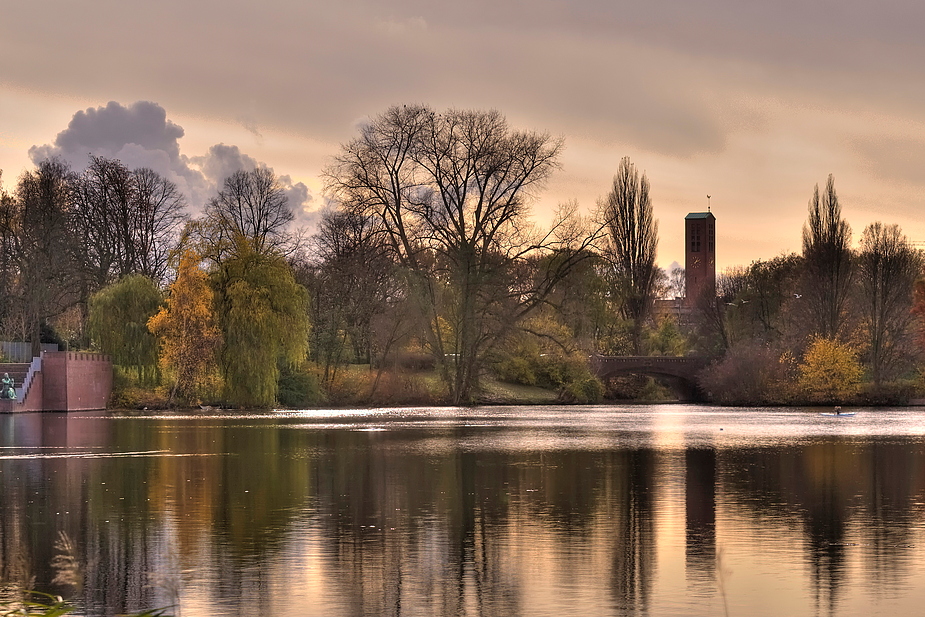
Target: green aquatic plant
[{"x": 47, "y": 605}]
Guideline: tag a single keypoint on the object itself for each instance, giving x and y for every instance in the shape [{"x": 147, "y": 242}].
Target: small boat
[{"x": 838, "y": 413}]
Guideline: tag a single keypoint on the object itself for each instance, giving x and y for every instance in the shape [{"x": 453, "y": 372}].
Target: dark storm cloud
[{"x": 140, "y": 135}]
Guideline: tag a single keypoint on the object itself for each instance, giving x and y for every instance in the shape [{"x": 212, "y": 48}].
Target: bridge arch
[{"x": 679, "y": 374}]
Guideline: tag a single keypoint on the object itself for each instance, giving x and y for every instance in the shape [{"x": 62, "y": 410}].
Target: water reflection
[{"x": 547, "y": 511}]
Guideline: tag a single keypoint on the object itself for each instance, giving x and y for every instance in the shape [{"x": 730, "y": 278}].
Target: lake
[{"x": 512, "y": 511}]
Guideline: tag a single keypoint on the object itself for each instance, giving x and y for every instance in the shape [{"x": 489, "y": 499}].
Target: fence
[{"x": 17, "y": 351}]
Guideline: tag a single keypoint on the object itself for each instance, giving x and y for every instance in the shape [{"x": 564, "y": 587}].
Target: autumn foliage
[
  {"x": 830, "y": 371},
  {"x": 187, "y": 331}
]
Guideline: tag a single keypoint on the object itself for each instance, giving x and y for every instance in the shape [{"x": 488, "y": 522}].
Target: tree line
[
  {"x": 427, "y": 259},
  {"x": 832, "y": 323}
]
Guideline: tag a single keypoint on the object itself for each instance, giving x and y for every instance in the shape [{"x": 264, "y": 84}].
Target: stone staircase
[
  {"x": 18, "y": 371},
  {"x": 22, "y": 374}
]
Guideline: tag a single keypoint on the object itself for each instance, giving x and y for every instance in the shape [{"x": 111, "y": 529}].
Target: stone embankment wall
[{"x": 64, "y": 381}]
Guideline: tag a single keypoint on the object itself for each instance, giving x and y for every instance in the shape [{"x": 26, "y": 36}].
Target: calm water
[{"x": 659, "y": 510}]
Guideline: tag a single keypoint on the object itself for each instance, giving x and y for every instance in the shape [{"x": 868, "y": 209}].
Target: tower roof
[{"x": 699, "y": 215}]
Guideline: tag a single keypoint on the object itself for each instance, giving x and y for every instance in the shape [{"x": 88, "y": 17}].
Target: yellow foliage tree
[
  {"x": 830, "y": 372},
  {"x": 187, "y": 330}
]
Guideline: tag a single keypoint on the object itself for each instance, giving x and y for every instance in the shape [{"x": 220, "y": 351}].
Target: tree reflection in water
[{"x": 512, "y": 514}]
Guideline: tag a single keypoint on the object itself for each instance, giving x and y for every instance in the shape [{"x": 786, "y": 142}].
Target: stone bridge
[{"x": 679, "y": 374}]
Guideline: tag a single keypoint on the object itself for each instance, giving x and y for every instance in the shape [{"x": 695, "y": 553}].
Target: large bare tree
[
  {"x": 159, "y": 215},
  {"x": 888, "y": 267},
  {"x": 252, "y": 206},
  {"x": 452, "y": 191},
  {"x": 129, "y": 221},
  {"x": 632, "y": 243},
  {"x": 46, "y": 246}
]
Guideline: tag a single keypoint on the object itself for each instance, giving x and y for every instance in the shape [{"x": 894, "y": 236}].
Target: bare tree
[
  {"x": 632, "y": 242},
  {"x": 352, "y": 281},
  {"x": 451, "y": 190},
  {"x": 8, "y": 259},
  {"x": 129, "y": 221},
  {"x": 771, "y": 287},
  {"x": 827, "y": 255},
  {"x": 677, "y": 282},
  {"x": 252, "y": 206},
  {"x": 888, "y": 268},
  {"x": 159, "y": 214},
  {"x": 103, "y": 196},
  {"x": 45, "y": 246}
]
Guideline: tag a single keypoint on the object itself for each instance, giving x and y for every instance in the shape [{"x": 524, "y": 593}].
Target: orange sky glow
[{"x": 751, "y": 104}]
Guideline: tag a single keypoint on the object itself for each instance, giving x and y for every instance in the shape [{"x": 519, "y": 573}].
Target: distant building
[{"x": 699, "y": 256}]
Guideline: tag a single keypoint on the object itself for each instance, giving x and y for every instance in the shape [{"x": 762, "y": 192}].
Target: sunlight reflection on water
[{"x": 519, "y": 511}]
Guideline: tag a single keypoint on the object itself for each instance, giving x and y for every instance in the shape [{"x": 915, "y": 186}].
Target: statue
[{"x": 6, "y": 387}]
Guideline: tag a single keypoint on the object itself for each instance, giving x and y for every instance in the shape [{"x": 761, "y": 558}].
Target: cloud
[
  {"x": 221, "y": 161},
  {"x": 140, "y": 135},
  {"x": 893, "y": 159},
  {"x": 106, "y": 130},
  {"x": 403, "y": 27},
  {"x": 302, "y": 202}
]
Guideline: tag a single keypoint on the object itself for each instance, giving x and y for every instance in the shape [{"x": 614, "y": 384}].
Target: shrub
[
  {"x": 588, "y": 390},
  {"x": 299, "y": 389},
  {"x": 749, "y": 373},
  {"x": 830, "y": 372},
  {"x": 568, "y": 374}
]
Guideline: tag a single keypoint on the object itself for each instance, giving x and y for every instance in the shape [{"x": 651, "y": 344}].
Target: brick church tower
[{"x": 699, "y": 256}]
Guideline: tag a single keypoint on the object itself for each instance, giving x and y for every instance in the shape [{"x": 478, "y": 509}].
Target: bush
[
  {"x": 589, "y": 390},
  {"x": 299, "y": 389},
  {"x": 128, "y": 393},
  {"x": 568, "y": 374},
  {"x": 892, "y": 393},
  {"x": 749, "y": 374},
  {"x": 830, "y": 372}
]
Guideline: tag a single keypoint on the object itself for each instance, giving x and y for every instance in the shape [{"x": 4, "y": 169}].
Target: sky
[{"x": 752, "y": 103}]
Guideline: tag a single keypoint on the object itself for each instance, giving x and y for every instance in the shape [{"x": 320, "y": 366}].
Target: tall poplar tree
[
  {"x": 829, "y": 268},
  {"x": 632, "y": 242}
]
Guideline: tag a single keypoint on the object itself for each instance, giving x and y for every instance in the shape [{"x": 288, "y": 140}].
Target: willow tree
[
  {"x": 632, "y": 243},
  {"x": 451, "y": 190},
  {"x": 118, "y": 324},
  {"x": 262, "y": 315}
]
